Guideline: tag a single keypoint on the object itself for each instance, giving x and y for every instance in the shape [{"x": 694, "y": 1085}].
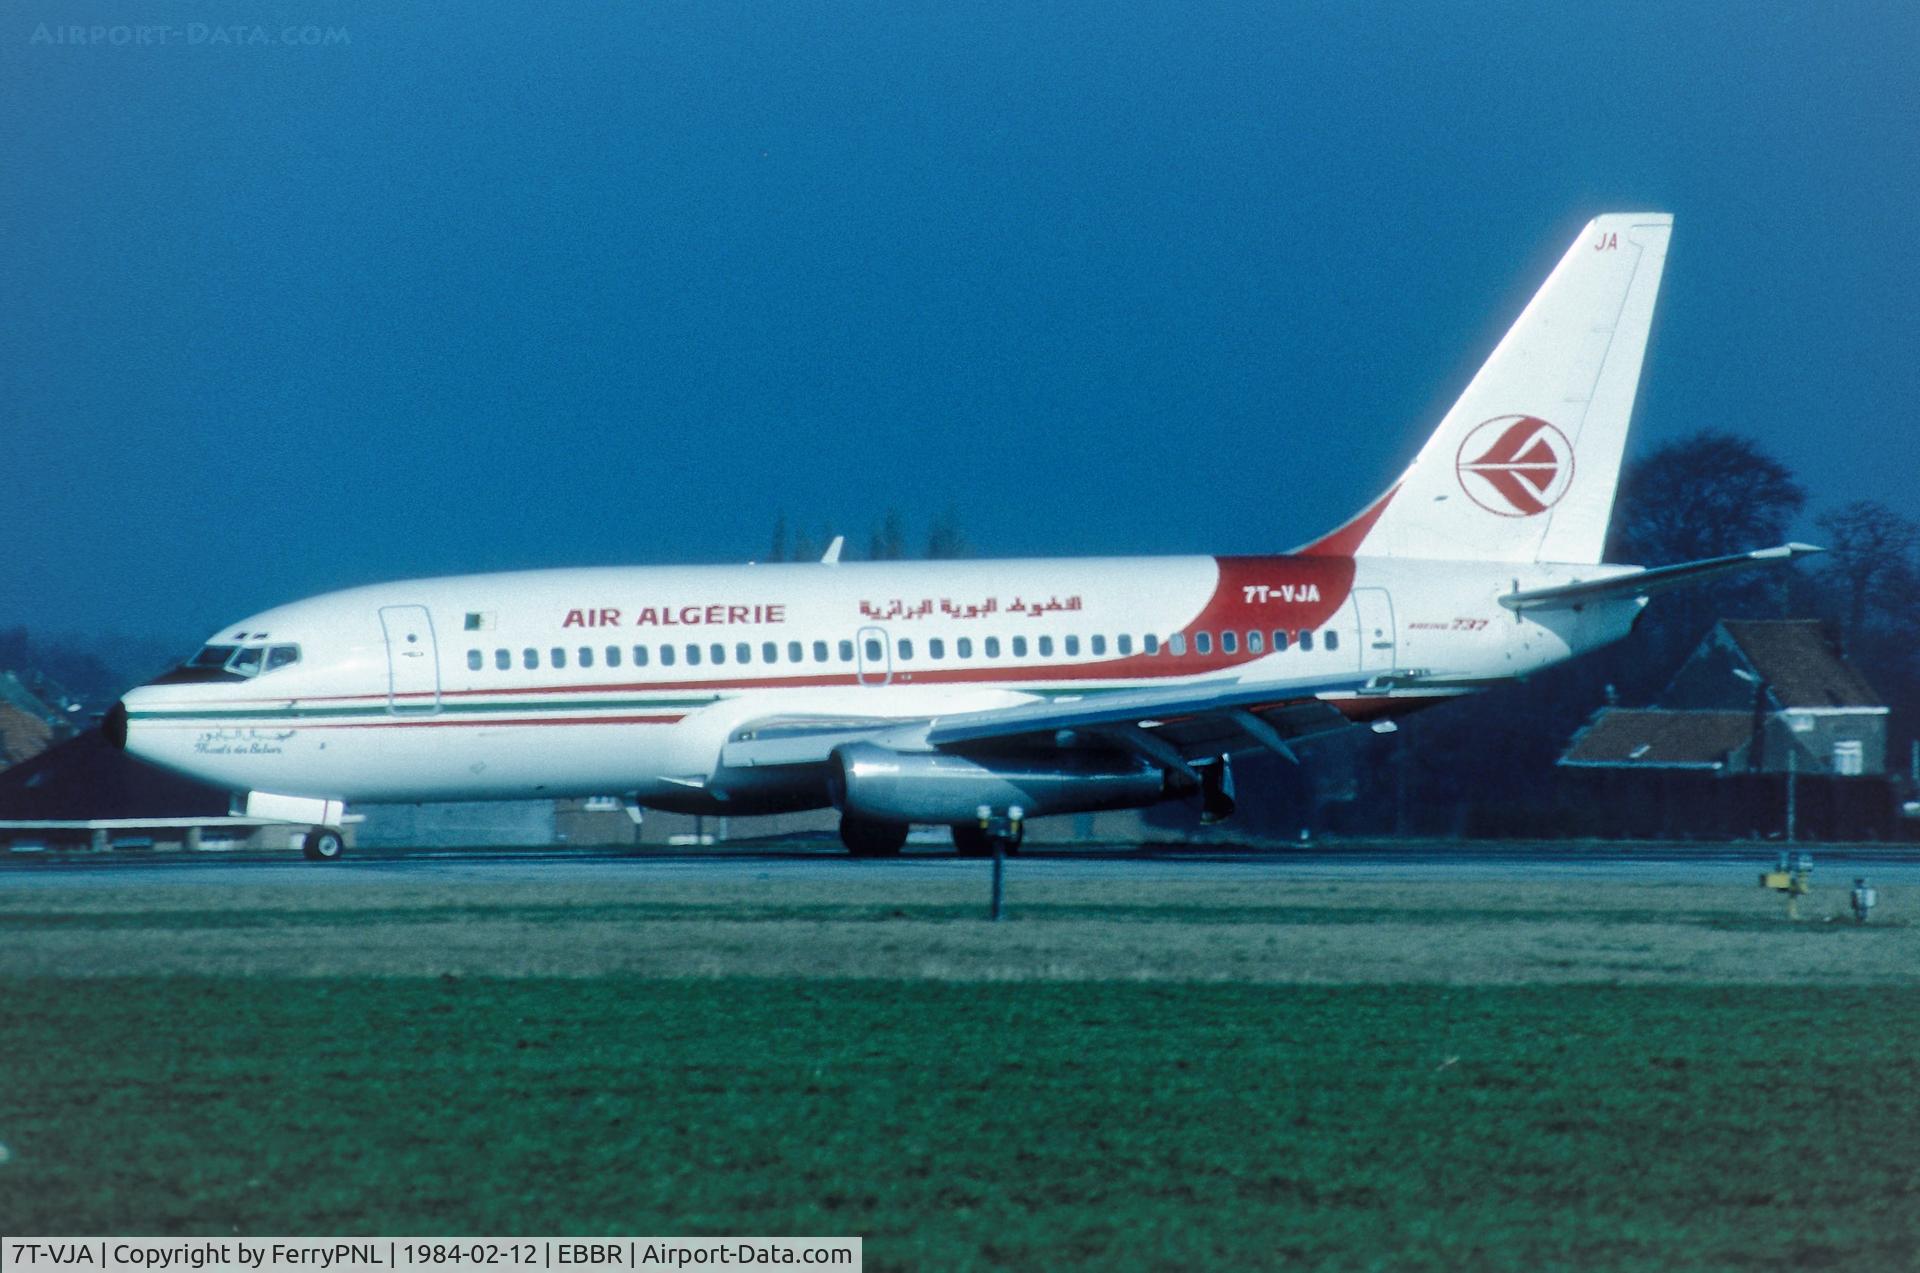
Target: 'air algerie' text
[{"x": 676, "y": 616}]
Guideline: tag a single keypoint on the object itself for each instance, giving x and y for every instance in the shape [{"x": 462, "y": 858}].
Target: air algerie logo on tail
[{"x": 1515, "y": 465}]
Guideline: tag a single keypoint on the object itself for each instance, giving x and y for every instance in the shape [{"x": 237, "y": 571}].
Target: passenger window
[
  {"x": 1150, "y": 643},
  {"x": 770, "y": 651},
  {"x": 1254, "y": 645},
  {"x": 586, "y": 656},
  {"x": 558, "y": 657},
  {"x": 1279, "y": 639},
  {"x": 964, "y": 647},
  {"x": 474, "y": 660},
  {"x": 286, "y": 655},
  {"x": 936, "y": 648},
  {"x": 906, "y": 647},
  {"x": 693, "y": 655},
  {"x": 1306, "y": 640},
  {"x": 1125, "y": 643},
  {"x": 1073, "y": 646},
  {"x": 1177, "y": 644},
  {"x": 530, "y": 659},
  {"x": 846, "y": 651},
  {"x": 794, "y": 652},
  {"x": 719, "y": 653},
  {"x": 639, "y": 656},
  {"x": 1019, "y": 647},
  {"x": 503, "y": 659},
  {"x": 1046, "y": 646},
  {"x": 613, "y": 656},
  {"x": 1333, "y": 639},
  {"x": 819, "y": 651},
  {"x": 993, "y": 647},
  {"x": 742, "y": 652},
  {"x": 1203, "y": 643},
  {"x": 667, "y": 655},
  {"x": 1229, "y": 642},
  {"x": 874, "y": 653},
  {"x": 1099, "y": 646}
]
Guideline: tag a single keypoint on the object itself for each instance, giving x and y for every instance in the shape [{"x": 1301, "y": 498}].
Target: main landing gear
[
  {"x": 871, "y": 838},
  {"x": 323, "y": 844}
]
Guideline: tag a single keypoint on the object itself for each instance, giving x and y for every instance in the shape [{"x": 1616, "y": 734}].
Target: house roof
[
  {"x": 17, "y": 696},
  {"x": 1652, "y": 738},
  {"x": 1800, "y": 663}
]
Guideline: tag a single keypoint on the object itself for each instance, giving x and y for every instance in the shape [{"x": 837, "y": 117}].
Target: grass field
[
  {"x": 970, "y": 1125},
  {"x": 1151, "y": 925},
  {"x": 1044, "y": 1093}
]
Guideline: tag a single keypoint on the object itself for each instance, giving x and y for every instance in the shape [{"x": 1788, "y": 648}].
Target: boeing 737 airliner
[{"x": 964, "y": 693}]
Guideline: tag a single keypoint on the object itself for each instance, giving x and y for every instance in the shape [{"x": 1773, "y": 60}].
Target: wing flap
[
  {"x": 1196, "y": 708},
  {"x": 1199, "y": 719}
]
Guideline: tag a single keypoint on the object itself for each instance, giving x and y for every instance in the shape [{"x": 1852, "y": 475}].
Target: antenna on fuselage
[{"x": 831, "y": 557}]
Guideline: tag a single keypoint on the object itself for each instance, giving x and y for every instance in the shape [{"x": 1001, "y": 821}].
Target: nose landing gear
[{"x": 323, "y": 844}]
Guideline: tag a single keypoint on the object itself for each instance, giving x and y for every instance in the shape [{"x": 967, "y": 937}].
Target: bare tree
[
  {"x": 1705, "y": 495},
  {"x": 778, "y": 550},
  {"x": 945, "y": 541},
  {"x": 804, "y": 548},
  {"x": 1871, "y": 558},
  {"x": 888, "y": 541}
]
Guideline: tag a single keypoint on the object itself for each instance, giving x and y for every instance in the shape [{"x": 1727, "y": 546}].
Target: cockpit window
[{"x": 232, "y": 663}]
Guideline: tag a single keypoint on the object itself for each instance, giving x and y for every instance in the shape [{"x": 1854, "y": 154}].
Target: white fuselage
[{"x": 631, "y": 680}]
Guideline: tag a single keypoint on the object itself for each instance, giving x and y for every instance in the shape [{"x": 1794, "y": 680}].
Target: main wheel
[
  {"x": 323, "y": 844},
  {"x": 870, "y": 838},
  {"x": 972, "y": 842}
]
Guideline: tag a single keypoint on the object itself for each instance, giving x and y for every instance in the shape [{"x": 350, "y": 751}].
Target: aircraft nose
[{"x": 114, "y": 725}]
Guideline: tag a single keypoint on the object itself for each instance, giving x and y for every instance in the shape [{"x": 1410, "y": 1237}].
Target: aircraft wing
[
  {"x": 1643, "y": 583},
  {"x": 1170, "y": 725}
]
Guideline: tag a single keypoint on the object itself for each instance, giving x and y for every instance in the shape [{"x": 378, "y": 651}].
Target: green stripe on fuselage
[
  {"x": 443, "y": 709},
  {"x": 369, "y": 711}
]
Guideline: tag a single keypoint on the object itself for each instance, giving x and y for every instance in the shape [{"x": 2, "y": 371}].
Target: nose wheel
[{"x": 323, "y": 844}]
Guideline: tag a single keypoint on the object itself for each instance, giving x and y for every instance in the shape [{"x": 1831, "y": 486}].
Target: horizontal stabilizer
[{"x": 1642, "y": 583}]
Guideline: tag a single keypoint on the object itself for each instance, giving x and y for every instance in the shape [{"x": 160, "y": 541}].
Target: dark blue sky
[{"x": 494, "y": 287}]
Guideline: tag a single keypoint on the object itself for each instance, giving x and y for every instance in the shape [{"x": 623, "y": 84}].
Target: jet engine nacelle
[{"x": 900, "y": 786}]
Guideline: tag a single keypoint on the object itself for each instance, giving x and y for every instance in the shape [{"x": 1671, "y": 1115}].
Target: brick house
[
  {"x": 1759, "y": 704},
  {"x": 28, "y": 726}
]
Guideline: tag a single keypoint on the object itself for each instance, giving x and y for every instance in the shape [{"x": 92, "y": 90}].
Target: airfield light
[
  {"x": 1865, "y": 898},
  {"x": 1792, "y": 875},
  {"x": 1002, "y": 832}
]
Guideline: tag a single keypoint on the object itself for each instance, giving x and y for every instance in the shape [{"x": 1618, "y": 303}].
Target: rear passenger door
[{"x": 1373, "y": 609}]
